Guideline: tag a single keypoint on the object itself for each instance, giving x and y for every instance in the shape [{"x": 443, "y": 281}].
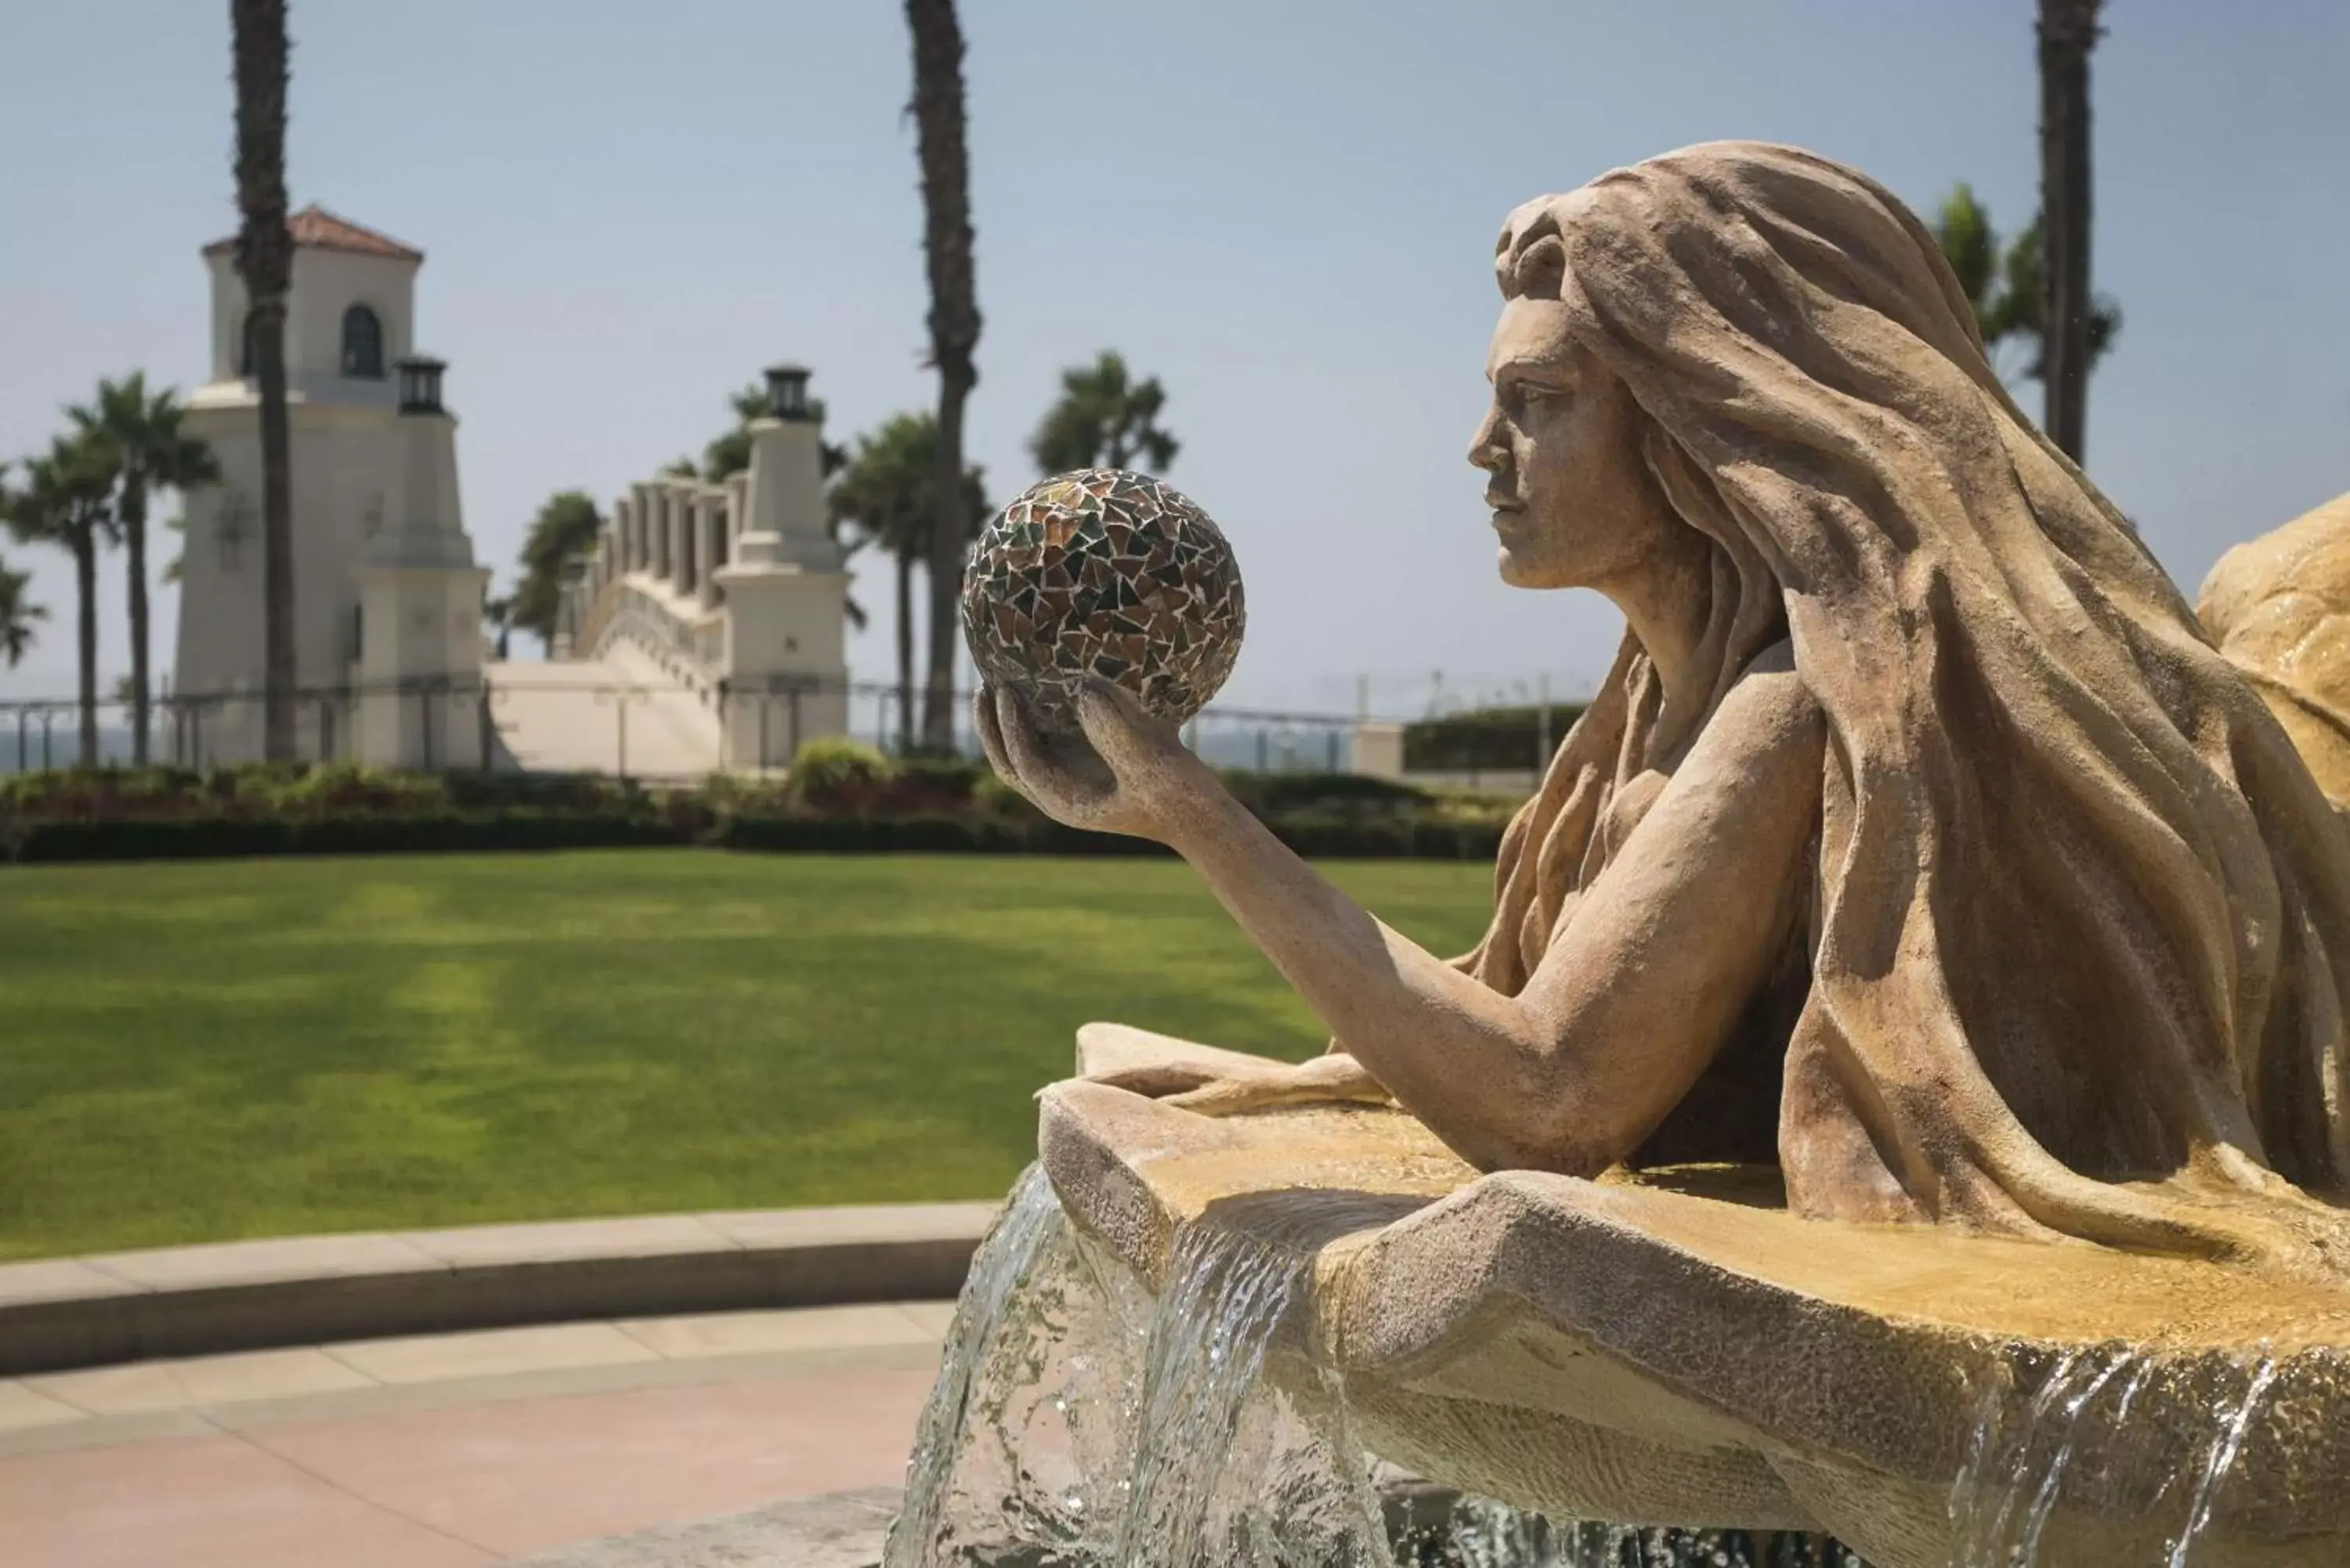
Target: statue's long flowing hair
[{"x": 2081, "y": 927}]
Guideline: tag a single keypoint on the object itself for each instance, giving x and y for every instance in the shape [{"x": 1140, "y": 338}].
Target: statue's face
[{"x": 1569, "y": 490}]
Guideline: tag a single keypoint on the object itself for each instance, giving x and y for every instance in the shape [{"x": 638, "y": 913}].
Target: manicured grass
[{"x": 198, "y": 1051}]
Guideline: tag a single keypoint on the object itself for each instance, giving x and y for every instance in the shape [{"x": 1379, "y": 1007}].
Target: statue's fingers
[
  {"x": 1230, "y": 1096},
  {"x": 1030, "y": 760},
  {"x": 1155, "y": 1080},
  {"x": 991, "y": 735},
  {"x": 1114, "y": 725}
]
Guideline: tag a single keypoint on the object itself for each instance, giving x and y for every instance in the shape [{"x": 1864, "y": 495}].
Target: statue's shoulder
[{"x": 1772, "y": 704}]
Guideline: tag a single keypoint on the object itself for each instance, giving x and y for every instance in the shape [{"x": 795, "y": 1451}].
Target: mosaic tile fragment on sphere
[{"x": 1105, "y": 574}]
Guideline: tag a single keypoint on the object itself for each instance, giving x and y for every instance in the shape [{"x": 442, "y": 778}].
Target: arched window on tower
[{"x": 362, "y": 344}]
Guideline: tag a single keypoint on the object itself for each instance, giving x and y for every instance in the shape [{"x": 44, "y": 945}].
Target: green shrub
[
  {"x": 725, "y": 793},
  {"x": 991, "y": 797},
  {"x": 922, "y": 785},
  {"x": 1349, "y": 794},
  {"x": 593, "y": 793},
  {"x": 839, "y": 775},
  {"x": 340, "y": 788},
  {"x": 193, "y": 839},
  {"x": 1491, "y": 740},
  {"x": 90, "y": 793}
]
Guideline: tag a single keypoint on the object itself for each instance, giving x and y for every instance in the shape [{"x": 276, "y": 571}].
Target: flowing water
[
  {"x": 1078, "y": 1423},
  {"x": 2071, "y": 1434}
]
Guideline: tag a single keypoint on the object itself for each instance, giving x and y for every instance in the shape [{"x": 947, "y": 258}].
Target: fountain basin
[{"x": 1675, "y": 1347}]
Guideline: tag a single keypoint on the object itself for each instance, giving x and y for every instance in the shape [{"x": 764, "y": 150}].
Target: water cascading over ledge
[
  {"x": 1079, "y": 1422},
  {"x": 1676, "y": 1349}
]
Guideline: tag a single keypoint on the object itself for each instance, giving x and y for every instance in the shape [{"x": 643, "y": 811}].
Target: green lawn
[{"x": 196, "y": 1051}]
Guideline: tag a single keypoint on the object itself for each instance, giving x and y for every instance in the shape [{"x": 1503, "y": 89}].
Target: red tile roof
[{"x": 317, "y": 227}]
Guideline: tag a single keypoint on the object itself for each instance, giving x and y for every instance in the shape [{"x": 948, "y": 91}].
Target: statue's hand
[
  {"x": 1335, "y": 1078},
  {"x": 1164, "y": 1080},
  {"x": 1121, "y": 771}
]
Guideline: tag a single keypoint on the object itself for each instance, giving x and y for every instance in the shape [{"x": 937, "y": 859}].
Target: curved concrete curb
[{"x": 57, "y": 1314}]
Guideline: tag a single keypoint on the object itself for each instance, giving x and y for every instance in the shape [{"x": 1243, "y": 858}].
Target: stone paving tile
[
  {"x": 259, "y": 1262},
  {"x": 749, "y": 1332},
  {"x": 57, "y": 1280},
  {"x": 933, "y": 1318},
  {"x": 203, "y": 1502},
  {"x": 144, "y": 1385},
  {"x": 562, "y": 1382},
  {"x": 838, "y": 1530},
  {"x": 528, "y": 1475},
  {"x": 21, "y": 1407},
  {"x": 490, "y": 1353},
  {"x": 53, "y": 1412},
  {"x": 105, "y": 1432},
  {"x": 852, "y": 1222}
]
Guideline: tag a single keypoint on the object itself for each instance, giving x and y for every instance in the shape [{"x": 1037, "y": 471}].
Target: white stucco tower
[{"x": 378, "y": 531}]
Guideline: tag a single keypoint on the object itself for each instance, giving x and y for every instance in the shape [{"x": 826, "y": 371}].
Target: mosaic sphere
[{"x": 1102, "y": 573}]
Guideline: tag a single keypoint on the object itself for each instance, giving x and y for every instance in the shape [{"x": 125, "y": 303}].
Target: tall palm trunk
[
  {"x": 2068, "y": 31},
  {"x": 954, "y": 330},
  {"x": 905, "y": 558},
  {"x": 85, "y": 554},
  {"x": 134, "y": 544},
  {"x": 264, "y": 257}
]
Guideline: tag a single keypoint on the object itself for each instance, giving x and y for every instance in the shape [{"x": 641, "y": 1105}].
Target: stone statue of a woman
[{"x": 1918, "y": 839}]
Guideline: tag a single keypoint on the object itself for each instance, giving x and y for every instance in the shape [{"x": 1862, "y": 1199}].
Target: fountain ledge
[{"x": 1676, "y": 1348}]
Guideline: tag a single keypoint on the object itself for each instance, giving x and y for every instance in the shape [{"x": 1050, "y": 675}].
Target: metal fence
[{"x": 555, "y": 717}]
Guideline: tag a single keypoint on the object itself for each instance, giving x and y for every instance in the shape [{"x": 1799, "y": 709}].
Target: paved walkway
[
  {"x": 458, "y": 1449},
  {"x": 560, "y": 716}
]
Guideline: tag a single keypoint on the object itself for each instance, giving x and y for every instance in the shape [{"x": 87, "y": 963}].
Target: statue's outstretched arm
[{"x": 1638, "y": 990}]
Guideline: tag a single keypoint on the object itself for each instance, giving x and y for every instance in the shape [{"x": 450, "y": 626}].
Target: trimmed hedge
[
  {"x": 1320, "y": 837},
  {"x": 910, "y": 806},
  {"x": 919, "y": 836},
  {"x": 216, "y": 837},
  {"x": 1491, "y": 740}
]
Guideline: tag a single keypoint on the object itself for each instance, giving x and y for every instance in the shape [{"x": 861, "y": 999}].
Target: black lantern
[
  {"x": 420, "y": 385},
  {"x": 787, "y": 392}
]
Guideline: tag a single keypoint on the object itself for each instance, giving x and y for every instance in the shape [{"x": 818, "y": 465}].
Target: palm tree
[
  {"x": 264, "y": 259},
  {"x": 1103, "y": 419},
  {"x": 17, "y": 614},
  {"x": 151, "y": 452},
  {"x": 2025, "y": 292},
  {"x": 17, "y": 611},
  {"x": 885, "y": 495},
  {"x": 565, "y": 528},
  {"x": 2005, "y": 287},
  {"x": 67, "y": 502},
  {"x": 2068, "y": 31},
  {"x": 938, "y": 110}
]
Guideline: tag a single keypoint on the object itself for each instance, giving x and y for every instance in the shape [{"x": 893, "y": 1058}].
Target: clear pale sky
[{"x": 1286, "y": 210}]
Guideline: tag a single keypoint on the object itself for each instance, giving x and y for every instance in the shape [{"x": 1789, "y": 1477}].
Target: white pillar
[
  {"x": 738, "y": 509},
  {"x": 419, "y": 671},
  {"x": 648, "y": 515},
  {"x": 710, "y": 543},
  {"x": 684, "y": 569},
  {"x": 787, "y": 601},
  {"x": 1379, "y": 749}
]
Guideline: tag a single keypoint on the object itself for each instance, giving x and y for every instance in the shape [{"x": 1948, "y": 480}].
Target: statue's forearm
[{"x": 1462, "y": 1057}]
